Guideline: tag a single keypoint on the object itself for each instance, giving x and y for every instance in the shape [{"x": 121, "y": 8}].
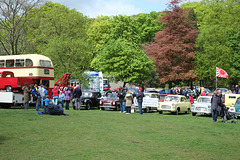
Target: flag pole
[{"x": 216, "y": 82}]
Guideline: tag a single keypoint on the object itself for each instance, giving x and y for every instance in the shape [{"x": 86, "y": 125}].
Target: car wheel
[
  {"x": 102, "y": 108},
  {"x": 147, "y": 110},
  {"x": 177, "y": 112},
  {"x": 193, "y": 114},
  {"x": 116, "y": 109},
  {"x": 188, "y": 111},
  {"x": 8, "y": 88},
  {"x": 160, "y": 112},
  {"x": 88, "y": 106}
]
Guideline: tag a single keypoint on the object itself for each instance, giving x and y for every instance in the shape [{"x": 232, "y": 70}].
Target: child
[{"x": 46, "y": 101}]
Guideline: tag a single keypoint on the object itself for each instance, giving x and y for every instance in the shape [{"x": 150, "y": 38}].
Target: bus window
[
  {"x": 45, "y": 63},
  {"x": 1, "y": 63},
  {"x": 10, "y": 63},
  {"x": 19, "y": 63},
  {"x": 29, "y": 63}
]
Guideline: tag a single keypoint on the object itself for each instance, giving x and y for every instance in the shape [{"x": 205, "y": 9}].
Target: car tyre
[
  {"x": 147, "y": 110},
  {"x": 102, "y": 108},
  {"x": 188, "y": 111},
  {"x": 177, "y": 112},
  {"x": 193, "y": 114},
  {"x": 88, "y": 106},
  {"x": 160, "y": 112}
]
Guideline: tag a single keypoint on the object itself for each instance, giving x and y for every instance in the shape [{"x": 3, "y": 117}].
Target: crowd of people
[{"x": 60, "y": 96}]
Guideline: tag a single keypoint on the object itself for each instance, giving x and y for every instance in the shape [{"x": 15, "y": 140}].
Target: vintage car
[
  {"x": 150, "y": 101},
  {"x": 223, "y": 90},
  {"x": 202, "y": 106},
  {"x": 175, "y": 104},
  {"x": 90, "y": 99},
  {"x": 235, "y": 109},
  {"x": 110, "y": 101},
  {"x": 230, "y": 99}
]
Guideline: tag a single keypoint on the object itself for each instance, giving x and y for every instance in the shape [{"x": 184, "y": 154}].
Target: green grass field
[{"x": 95, "y": 134}]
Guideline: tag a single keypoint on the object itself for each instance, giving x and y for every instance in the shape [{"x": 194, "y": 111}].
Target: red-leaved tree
[{"x": 173, "y": 47}]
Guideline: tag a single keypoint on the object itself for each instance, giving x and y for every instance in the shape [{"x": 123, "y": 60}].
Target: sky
[{"x": 94, "y": 8}]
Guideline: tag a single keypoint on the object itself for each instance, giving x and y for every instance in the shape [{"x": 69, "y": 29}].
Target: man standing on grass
[
  {"x": 215, "y": 105},
  {"x": 77, "y": 93},
  {"x": 140, "y": 100},
  {"x": 121, "y": 94}
]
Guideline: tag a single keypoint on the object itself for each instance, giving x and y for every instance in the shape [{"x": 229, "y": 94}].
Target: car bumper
[
  {"x": 107, "y": 106},
  {"x": 167, "y": 110}
]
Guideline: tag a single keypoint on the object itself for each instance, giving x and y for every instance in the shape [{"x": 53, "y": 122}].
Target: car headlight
[
  {"x": 100, "y": 102},
  {"x": 209, "y": 106},
  {"x": 173, "y": 105},
  {"x": 113, "y": 103}
]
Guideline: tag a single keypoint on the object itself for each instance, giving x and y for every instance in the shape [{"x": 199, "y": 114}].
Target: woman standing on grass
[
  {"x": 67, "y": 97},
  {"x": 129, "y": 100},
  {"x": 26, "y": 94}
]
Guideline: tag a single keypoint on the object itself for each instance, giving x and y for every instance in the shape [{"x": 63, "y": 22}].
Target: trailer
[{"x": 8, "y": 99}]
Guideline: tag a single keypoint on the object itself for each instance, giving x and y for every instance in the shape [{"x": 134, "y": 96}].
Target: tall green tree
[
  {"x": 217, "y": 20},
  {"x": 126, "y": 62},
  {"x": 63, "y": 38}
]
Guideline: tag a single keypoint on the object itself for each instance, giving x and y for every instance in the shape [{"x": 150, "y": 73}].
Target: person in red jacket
[
  {"x": 55, "y": 94},
  {"x": 191, "y": 100}
]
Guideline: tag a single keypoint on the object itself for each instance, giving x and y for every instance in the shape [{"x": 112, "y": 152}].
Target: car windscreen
[
  {"x": 163, "y": 96},
  {"x": 87, "y": 94},
  {"x": 204, "y": 100},
  {"x": 112, "y": 96},
  {"x": 223, "y": 90},
  {"x": 171, "y": 99},
  {"x": 146, "y": 95},
  {"x": 238, "y": 101}
]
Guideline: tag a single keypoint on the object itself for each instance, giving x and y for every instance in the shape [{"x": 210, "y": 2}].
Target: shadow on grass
[{"x": 2, "y": 139}]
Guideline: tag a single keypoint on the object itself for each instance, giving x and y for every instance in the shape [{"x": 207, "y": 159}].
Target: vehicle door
[{"x": 183, "y": 103}]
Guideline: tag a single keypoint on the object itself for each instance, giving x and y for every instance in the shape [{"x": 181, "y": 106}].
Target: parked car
[
  {"x": 151, "y": 90},
  {"x": 111, "y": 101},
  {"x": 202, "y": 106},
  {"x": 175, "y": 104},
  {"x": 235, "y": 109},
  {"x": 166, "y": 91},
  {"x": 150, "y": 101},
  {"x": 230, "y": 99},
  {"x": 208, "y": 92},
  {"x": 195, "y": 93},
  {"x": 223, "y": 90},
  {"x": 90, "y": 99}
]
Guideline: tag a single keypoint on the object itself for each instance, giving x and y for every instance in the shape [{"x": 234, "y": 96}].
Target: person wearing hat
[
  {"x": 26, "y": 94},
  {"x": 140, "y": 100}
]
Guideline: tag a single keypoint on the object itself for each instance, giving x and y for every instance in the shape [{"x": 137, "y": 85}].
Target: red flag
[{"x": 221, "y": 73}]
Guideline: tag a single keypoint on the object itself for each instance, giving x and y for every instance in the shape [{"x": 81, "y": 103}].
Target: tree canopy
[{"x": 173, "y": 47}]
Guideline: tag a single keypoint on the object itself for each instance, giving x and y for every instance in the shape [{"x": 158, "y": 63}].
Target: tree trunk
[
  {"x": 191, "y": 85},
  {"x": 124, "y": 84},
  {"x": 170, "y": 84}
]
